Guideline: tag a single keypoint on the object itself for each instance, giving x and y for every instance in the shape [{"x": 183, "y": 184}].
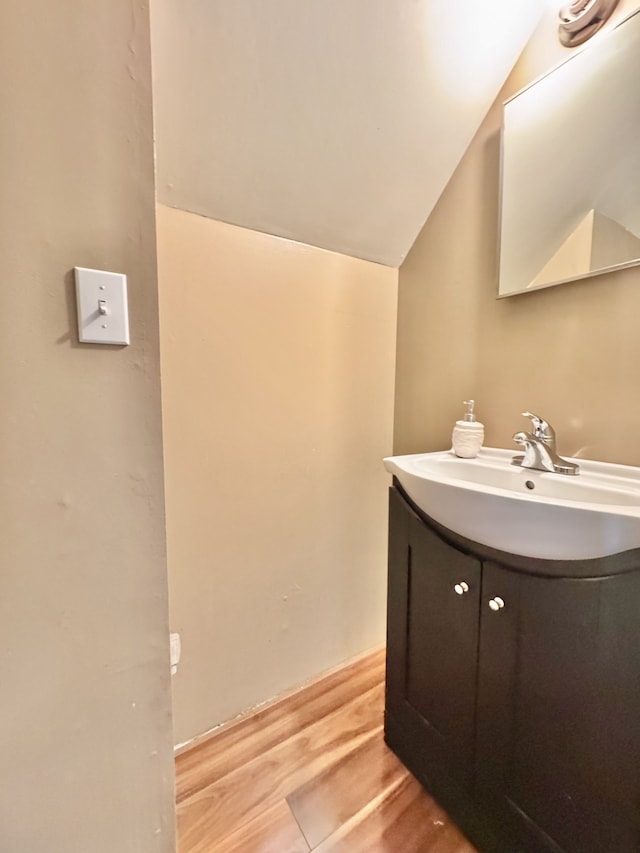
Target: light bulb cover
[{"x": 580, "y": 19}]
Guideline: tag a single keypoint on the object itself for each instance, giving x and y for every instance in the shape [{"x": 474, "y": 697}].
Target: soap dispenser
[{"x": 468, "y": 434}]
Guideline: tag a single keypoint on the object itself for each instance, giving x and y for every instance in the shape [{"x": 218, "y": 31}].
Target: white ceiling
[{"x": 333, "y": 122}]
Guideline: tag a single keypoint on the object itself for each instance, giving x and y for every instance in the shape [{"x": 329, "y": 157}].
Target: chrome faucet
[
  {"x": 542, "y": 430},
  {"x": 540, "y": 448}
]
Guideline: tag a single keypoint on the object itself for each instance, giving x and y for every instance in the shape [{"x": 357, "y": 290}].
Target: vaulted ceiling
[{"x": 336, "y": 123}]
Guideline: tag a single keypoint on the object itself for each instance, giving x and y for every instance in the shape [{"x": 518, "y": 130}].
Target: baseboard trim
[{"x": 285, "y": 701}]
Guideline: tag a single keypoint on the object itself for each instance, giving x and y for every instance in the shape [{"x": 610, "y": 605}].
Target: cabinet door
[
  {"x": 558, "y": 747},
  {"x": 432, "y": 651}
]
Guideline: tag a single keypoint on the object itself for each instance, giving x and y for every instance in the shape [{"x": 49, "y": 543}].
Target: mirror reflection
[{"x": 570, "y": 205}]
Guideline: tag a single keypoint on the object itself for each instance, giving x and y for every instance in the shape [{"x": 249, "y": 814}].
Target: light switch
[
  {"x": 103, "y": 313},
  {"x": 175, "y": 650}
]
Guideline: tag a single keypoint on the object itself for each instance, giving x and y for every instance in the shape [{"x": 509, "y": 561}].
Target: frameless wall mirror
[{"x": 570, "y": 195}]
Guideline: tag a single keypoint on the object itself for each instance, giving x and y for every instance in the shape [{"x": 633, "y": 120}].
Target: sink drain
[{"x": 529, "y": 484}]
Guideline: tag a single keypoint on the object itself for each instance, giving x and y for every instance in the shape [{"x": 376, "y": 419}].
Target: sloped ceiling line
[{"x": 335, "y": 124}]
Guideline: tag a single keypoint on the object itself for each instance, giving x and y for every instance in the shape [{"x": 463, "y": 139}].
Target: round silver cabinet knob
[
  {"x": 461, "y": 587},
  {"x": 496, "y": 604}
]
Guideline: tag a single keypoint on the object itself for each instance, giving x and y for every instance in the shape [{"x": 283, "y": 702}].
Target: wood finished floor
[{"x": 309, "y": 772}]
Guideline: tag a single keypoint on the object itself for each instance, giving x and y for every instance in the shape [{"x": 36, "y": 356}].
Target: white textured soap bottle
[{"x": 468, "y": 434}]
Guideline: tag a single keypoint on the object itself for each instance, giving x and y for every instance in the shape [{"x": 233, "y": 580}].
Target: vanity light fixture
[{"x": 580, "y": 19}]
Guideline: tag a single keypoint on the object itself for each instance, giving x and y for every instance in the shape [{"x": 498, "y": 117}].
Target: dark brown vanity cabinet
[{"x": 513, "y": 689}]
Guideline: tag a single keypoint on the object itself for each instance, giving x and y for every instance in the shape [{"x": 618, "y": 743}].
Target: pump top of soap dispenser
[{"x": 469, "y": 415}]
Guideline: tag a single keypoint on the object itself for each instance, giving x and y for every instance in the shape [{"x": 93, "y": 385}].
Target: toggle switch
[
  {"x": 103, "y": 314},
  {"x": 175, "y": 651}
]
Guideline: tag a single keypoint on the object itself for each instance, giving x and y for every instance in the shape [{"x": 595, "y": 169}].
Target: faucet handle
[{"x": 542, "y": 430}]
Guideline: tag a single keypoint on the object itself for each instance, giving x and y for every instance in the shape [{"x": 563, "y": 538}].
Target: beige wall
[
  {"x": 85, "y": 723},
  {"x": 569, "y": 352},
  {"x": 277, "y": 379}
]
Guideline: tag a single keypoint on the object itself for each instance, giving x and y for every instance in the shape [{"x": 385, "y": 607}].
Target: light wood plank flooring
[{"x": 309, "y": 772}]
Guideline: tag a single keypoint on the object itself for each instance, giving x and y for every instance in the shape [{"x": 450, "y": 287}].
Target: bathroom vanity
[{"x": 513, "y": 687}]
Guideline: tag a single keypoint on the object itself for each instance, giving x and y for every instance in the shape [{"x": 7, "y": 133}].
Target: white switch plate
[
  {"x": 175, "y": 651},
  {"x": 97, "y": 292}
]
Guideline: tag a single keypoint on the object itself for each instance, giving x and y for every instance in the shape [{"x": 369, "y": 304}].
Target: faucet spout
[{"x": 540, "y": 456}]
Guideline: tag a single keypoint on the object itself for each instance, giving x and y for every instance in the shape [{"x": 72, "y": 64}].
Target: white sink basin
[{"x": 532, "y": 513}]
